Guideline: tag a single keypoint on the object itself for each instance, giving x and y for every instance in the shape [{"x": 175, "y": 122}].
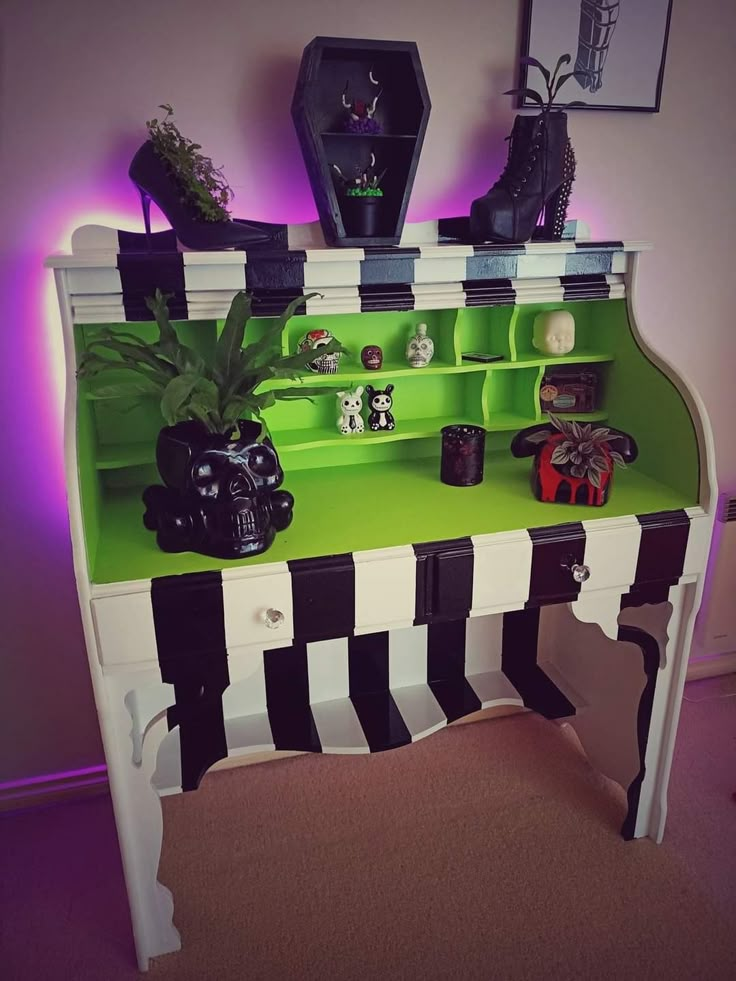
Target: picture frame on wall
[{"x": 617, "y": 50}]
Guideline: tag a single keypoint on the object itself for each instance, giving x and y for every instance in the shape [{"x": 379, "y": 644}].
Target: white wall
[{"x": 78, "y": 80}]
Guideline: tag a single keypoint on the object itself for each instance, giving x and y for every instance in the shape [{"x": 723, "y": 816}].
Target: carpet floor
[{"x": 487, "y": 851}]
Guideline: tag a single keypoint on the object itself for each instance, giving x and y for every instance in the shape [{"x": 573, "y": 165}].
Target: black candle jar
[{"x": 463, "y": 448}]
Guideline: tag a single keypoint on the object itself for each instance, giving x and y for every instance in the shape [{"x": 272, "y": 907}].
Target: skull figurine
[
  {"x": 420, "y": 349},
  {"x": 323, "y": 364},
  {"x": 221, "y": 495}
]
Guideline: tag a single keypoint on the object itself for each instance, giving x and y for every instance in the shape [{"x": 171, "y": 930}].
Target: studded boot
[{"x": 536, "y": 181}]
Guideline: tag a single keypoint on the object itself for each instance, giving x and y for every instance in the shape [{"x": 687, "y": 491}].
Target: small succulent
[
  {"x": 583, "y": 451},
  {"x": 201, "y": 184},
  {"x": 553, "y": 83},
  {"x": 365, "y": 184}
]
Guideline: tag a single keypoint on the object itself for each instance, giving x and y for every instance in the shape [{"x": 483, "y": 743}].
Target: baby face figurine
[
  {"x": 420, "y": 349},
  {"x": 554, "y": 332}
]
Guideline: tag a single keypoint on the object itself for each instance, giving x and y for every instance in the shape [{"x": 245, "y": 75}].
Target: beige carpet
[{"x": 487, "y": 852}]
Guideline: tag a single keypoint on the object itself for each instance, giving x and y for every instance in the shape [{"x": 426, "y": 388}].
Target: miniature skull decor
[
  {"x": 420, "y": 349},
  {"x": 380, "y": 404},
  {"x": 554, "y": 332},
  {"x": 350, "y": 405},
  {"x": 221, "y": 495},
  {"x": 325, "y": 364},
  {"x": 372, "y": 357}
]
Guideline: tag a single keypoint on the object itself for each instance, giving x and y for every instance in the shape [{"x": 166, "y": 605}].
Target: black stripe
[
  {"x": 584, "y": 287},
  {"x": 646, "y": 594},
  {"x": 379, "y": 716},
  {"x": 662, "y": 547},
  {"x": 388, "y": 266},
  {"x": 279, "y": 272},
  {"x": 488, "y": 292},
  {"x": 519, "y": 663},
  {"x": 446, "y": 669},
  {"x": 650, "y": 655},
  {"x": 323, "y": 595},
  {"x": 490, "y": 267},
  {"x": 287, "y": 699},
  {"x": 140, "y": 242},
  {"x": 141, "y": 275},
  {"x": 588, "y": 263},
  {"x": 596, "y": 246},
  {"x": 554, "y": 550},
  {"x": 272, "y": 303},
  {"x": 444, "y": 579},
  {"x": 385, "y": 296},
  {"x": 189, "y": 623}
]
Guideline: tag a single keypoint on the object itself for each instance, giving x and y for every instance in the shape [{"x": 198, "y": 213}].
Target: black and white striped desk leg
[
  {"x": 131, "y": 762},
  {"x": 626, "y": 687}
]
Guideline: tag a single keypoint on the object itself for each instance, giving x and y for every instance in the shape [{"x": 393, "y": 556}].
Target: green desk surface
[{"x": 349, "y": 509}]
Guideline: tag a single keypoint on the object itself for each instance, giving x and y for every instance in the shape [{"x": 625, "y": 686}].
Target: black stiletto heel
[
  {"x": 152, "y": 178},
  {"x": 555, "y": 210}
]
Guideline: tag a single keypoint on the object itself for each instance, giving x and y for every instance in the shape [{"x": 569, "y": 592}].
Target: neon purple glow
[{"x": 66, "y": 775}]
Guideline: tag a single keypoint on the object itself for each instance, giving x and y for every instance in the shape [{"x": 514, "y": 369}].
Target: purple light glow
[{"x": 46, "y": 778}]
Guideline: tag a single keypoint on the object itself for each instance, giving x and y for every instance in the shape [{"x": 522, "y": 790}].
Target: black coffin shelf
[{"x": 361, "y": 70}]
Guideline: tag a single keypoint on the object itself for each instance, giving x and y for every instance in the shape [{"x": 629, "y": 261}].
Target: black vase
[
  {"x": 361, "y": 216},
  {"x": 221, "y": 494}
]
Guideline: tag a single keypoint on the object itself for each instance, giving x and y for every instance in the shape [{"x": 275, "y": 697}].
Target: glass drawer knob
[
  {"x": 580, "y": 573},
  {"x": 273, "y": 618}
]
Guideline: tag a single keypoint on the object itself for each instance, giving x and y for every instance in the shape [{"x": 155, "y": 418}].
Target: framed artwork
[{"x": 617, "y": 50}]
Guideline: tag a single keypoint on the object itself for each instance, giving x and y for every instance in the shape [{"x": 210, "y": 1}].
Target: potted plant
[
  {"x": 220, "y": 471},
  {"x": 361, "y": 201},
  {"x": 573, "y": 461}
]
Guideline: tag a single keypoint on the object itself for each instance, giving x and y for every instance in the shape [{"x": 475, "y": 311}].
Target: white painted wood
[
  {"x": 246, "y": 694},
  {"x": 601, "y": 607},
  {"x": 540, "y": 265},
  {"x": 344, "y": 299},
  {"x": 420, "y": 710},
  {"x": 245, "y": 734},
  {"x": 407, "y": 657},
  {"x": 698, "y": 542},
  {"x": 146, "y": 705},
  {"x": 438, "y": 296},
  {"x": 329, "y": 676},
  {"x": 125, "y": 629},
  {"x": 619, "y": 262},
  {"x": 247, "y": 594},
  {"x": 385, "y": 588},
  {"x": 202, "y": 278},
  {"x": 483, "y": 642},
  {"x": 338, "y": 727},
  {"x": 318, "y": 275},
  {"x": 611, "y": 552},
  {"x": 501, "y": 570},
  {"x": 88, "y": 280},
  {"x": 434, "y": 265},
  {"x": 494, "y": 688}
]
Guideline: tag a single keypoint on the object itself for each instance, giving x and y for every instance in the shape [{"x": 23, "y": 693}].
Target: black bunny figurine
[{"x": 380, "y": 403}]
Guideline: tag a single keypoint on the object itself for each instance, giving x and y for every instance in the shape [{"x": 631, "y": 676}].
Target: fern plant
[
  {"x": 580, "y": 450},
  {"x": 202, "y": 185},
  {"x": 553, "y": 82},
  {"x": 217, "y": 394}
]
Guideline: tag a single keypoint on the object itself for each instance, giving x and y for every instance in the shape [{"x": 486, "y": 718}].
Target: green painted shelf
[
  {"x": 535, "y": 359},
  {"x": 345, "y": 509},
  {"x": 116, "y": 456},
  {"x": 354, "y": 372}
]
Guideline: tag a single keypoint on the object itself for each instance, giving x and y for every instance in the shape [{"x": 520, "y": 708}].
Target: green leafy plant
[
  {"x": 580, "y": 450},
  {"x": 553, "y": 83},
  {"x": 202, "y": 185},
  {"x": 216, "y": 394},
  {"x": 365, "y": 184}
]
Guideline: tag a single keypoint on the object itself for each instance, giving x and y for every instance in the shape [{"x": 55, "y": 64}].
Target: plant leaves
[
  {"x": 230, "y": 341},
  {"x": 527, "y": 94},
  {"x": 527, "y": 60},
  {"x": 158, "y": 306},
  {"x": 576, "y": 104},
  {"x": 595, "y": 478},
  {"x": 577, "y": 470},
  {"x": 560, "y": 456},
  {"x": 561, "y": 81},
  {"x": 176, "y": 393},
  {"x": 540, "y": 437},
  {"x": 617, "y": 458},
  {"x": 136, "y": 353}
]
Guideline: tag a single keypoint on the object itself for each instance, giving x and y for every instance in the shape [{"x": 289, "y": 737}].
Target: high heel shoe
[
  {"x": 536, "y": 180},
  {"x": 154, "y": 182}
]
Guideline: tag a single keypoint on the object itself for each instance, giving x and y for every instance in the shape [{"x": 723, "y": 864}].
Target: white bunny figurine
[{"x": 350, "y": 406}]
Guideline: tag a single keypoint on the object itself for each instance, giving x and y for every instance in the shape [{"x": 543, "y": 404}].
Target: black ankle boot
[
  {"x": 152, "y": 178},
  {"x": 538, "y": 176}
]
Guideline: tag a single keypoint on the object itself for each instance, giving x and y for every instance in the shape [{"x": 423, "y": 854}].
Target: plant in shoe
[
  {"x": 193, "y": 194},
  {"x": 539, "y": 171},
  {"x": 201, "y": 183},
  {"x": 220, "y": 471}
]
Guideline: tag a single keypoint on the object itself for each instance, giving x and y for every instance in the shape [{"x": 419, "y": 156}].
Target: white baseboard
[
  {"x": 52, "y": 789},
  {"x": 711, "y": 667}
]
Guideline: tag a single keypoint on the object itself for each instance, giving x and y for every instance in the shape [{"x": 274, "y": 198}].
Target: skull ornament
[
  {"x": 420, "y": 349},
  {"x": 323, "y": 364},
  {"x": 221, "y": 495}
]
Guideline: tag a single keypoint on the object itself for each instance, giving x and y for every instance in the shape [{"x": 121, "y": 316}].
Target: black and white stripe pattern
[{"x": 111, "y": 274}]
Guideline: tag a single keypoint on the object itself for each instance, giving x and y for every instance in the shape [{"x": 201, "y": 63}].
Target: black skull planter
[{"x": 221, "y": 496}]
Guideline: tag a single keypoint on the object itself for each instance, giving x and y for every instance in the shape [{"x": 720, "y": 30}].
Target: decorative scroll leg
[
  {"x": 139, "y": 822},
  {"x": 674, "y": 639}
]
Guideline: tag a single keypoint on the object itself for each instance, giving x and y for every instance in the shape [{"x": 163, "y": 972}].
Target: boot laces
[{"x": 519, "y": 164}]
